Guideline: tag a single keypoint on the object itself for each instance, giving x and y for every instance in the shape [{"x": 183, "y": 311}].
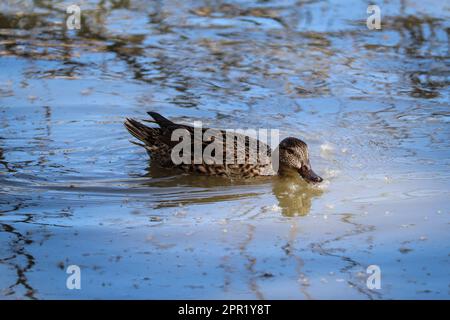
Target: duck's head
[{"x": 294, "y": 160}]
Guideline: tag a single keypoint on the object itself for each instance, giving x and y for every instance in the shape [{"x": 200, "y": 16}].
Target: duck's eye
[{"x": 290, "y": 151}]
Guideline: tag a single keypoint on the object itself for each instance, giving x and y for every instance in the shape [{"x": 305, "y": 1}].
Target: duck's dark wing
[
  {"x": 168, "y": 127},
  {"x": 160, "y": 120},
  {"x": 161, "y": 138}
]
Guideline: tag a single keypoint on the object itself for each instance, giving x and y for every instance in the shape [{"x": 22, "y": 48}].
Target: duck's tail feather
[
  {"x": 141, "y": 131},
  {"x": 138, "y": 144}
]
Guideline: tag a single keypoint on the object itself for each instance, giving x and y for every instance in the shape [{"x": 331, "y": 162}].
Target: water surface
[{"x": 371, "y": 104}]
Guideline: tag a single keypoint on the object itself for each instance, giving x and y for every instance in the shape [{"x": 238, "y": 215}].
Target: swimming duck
[{"x": 292, "y": 152}]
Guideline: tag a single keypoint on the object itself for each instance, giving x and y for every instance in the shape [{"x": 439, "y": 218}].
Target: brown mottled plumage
[{"x": 293, "y": 153}]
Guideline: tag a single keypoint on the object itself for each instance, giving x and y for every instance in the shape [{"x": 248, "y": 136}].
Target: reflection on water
[
  {"x": 193, "y": 189},
  {"x": 294, "y": 196},
  {"x": 372, "y": 106}
]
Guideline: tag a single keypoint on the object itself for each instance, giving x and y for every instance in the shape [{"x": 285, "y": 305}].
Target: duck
[{"x": 292, "y": 153}]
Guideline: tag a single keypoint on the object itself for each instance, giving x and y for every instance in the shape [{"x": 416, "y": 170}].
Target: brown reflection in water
[
  {"x": 294, "y": 196},
  {"x": 420, "y": 41},
  {"x": 200, "y": 189},
  {"x": 229, "y": 54}
]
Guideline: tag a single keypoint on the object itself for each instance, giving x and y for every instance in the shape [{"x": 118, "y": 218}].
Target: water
[{"x": 372, "y": 105}]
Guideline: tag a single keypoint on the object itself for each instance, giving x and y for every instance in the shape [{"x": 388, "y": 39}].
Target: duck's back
[{"x": 224, "y": 153}]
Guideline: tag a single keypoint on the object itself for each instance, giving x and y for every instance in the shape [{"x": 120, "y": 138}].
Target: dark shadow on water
[{"x": 17, "y": 257}]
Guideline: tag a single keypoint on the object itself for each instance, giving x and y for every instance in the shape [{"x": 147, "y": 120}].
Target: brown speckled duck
[{"x": 292, "y": 152}]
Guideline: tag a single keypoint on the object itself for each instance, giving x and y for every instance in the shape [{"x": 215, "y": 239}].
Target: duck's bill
[{"x": 310, "y": 176}]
